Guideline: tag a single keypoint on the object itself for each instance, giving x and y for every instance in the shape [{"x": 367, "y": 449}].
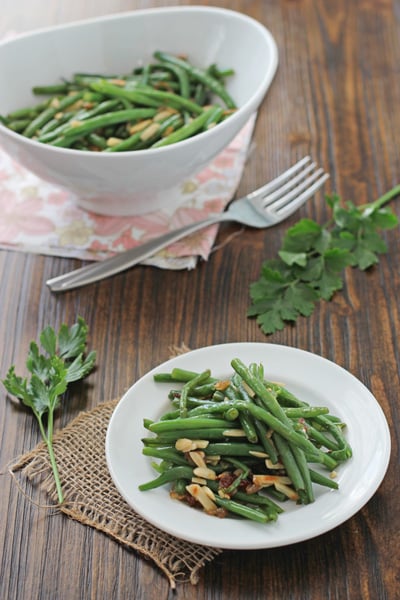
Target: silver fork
[{"x": 265, "y": 207}]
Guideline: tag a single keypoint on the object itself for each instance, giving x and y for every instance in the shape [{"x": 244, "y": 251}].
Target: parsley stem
[
  {"x": 48, "y": 440},
  {"x": 49, "y": 443},
  {"x": 384, "y": 199}
]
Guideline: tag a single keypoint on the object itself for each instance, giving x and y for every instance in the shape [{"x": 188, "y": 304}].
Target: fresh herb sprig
[
  {"x": 312, "y": 258},
  {"x": 63, "y": 362}
]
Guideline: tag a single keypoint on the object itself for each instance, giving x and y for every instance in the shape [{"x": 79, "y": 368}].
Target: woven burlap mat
[{"x": 92, "y": 499}]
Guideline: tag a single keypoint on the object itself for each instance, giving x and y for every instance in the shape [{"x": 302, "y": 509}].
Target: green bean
[
  {"x": 200, "y": 75},
  {"x": 269, "y": 505},
  {"x": 186, "y": 131},
  {"x": 97, "y": 141},
  {"x": 212, "y": 433},
  {"x": 72, "y": 134},
  {"x": 169, "y": 454},
  {"x": 317, "y": 477},
  {"x": 246, "y": 422},
  {"x": 254, "y": 514},
  {"x": 166, "y": 127},
  {"x": 135, "y": 142},
  {"x": 148, "y": 96},
  {"x": 17, "y": 125},
  {"x": 308, "y": 495},
  {"x": 291, "y": 467},
  {"x": 29, "y": 112},
  {"x": 51, "y": 90},
  {"x": 181, "y": 76},
  {"x": 319, "y": 437},
  {"x": 289, "y": 434},
  {"x": 258, "y": 388},
  {"x": 265, "y": 441},
  {"x": 214, "y": 118},
  {"x": 189, "y": 423},
  {"x": 54, "y": 125},
  {"x": 49, "y": 112},
  {"x": 232, "y": 449},
  {"x": 173, "y": 474},
  {"x": 306, "y": 412},
  {"x": 245, "y": 471},
  {"x": 178, "y": 375},
  {"x": 187, "y": 388},
  {"x": 116, "y": 91}
]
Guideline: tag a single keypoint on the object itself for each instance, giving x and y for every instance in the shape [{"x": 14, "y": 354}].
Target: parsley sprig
[
  {"x": 62, "y": 363},
  {"x": 310, "y": 264}
]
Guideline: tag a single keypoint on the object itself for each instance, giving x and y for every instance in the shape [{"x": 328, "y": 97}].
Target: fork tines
[{"x": 292, "y": 188}]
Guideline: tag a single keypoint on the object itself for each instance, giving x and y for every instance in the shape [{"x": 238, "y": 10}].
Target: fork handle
[{"x": 129, "y": 258}]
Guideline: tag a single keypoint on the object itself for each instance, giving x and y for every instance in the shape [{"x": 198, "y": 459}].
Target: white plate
[{"x": 313, "y": 379}]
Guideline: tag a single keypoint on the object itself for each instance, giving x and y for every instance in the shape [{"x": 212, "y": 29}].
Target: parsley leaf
[
  {"x": 312, "y": 258},
  {"x": 62, "y": 362}
]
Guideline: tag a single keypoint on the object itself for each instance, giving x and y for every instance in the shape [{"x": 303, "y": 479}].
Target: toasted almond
[
  {"x": 234, "y": 433},
  {"x": 248, "y": 389},
  {"x": 149, "y": 132},
  {"x": 139, "y": 126},
  {"x": 266, "y": 480},
  {"x": 213, "y": 459},
  {"x": 113, "y": 141},
  {"x": 205, "y": 472},
  {"x": 197, "y": 457},
  {"x": 199, "y": 480},
  {"x": 164, "y": 114},
  {"x": 258, "y": 454},
  {"x": 198, "y": 492},
  {"x": 183, "y": 445},
  {"x": 270, "y": 465},
  {"x": 222, "y": 385},
  {"x": 209, "y": 492},
  {"x": 288, "y": 491},
  {"x": 120, "y": 82}
]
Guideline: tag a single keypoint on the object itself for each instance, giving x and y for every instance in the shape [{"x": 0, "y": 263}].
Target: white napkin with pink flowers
[{"x": 38, "y": 217}]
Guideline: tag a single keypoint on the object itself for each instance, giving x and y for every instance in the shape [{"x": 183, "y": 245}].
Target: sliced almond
[
  {"x": 183, "y": 445},
  {"x": 258, "y": 454},
  {"x": 139, "y": 126},
  {"x": 199, "y": 480},
  {"x": 198, "y": 492},
  {"x": 288, "y": 491},
  {"x": 233, "y": 433},
  {"x": 164, "y": 114},
  {"x": 149, "y": 132},
  {"x": 197, "y": 457},
  {"x": 113, "y": 141},
  {"x": 120, "y": 82},
  {"x": 270, "y": 465},
  {"x": 205, "y": 472},
  {"x": 186, "y": 444},
  {"x": 266, "y": 480}
]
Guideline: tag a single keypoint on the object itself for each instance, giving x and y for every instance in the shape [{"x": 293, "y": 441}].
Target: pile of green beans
[
  {"x": 161, "y": 103},
  {"x": 244, "y": 442}
]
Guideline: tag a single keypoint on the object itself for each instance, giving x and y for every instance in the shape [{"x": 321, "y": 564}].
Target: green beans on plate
[
  {"x": 236, "y": 446},
  {"x": 161, "y": 103}
]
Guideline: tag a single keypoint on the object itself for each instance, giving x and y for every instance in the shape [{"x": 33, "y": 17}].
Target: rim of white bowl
[{"x": 261, "y": 91}]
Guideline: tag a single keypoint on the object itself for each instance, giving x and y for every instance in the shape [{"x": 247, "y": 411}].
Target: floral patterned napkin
[{"x": 39, "y": 217}]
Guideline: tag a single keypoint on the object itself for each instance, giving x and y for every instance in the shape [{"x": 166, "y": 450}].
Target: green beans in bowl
[{"x": 119, "y": 110}]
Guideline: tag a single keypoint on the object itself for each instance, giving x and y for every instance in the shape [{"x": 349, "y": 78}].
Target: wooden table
[{"x": 336, "y": 96}]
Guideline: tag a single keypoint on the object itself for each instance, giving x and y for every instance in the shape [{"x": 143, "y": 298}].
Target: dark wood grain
[{"x": 336, "y": 96}]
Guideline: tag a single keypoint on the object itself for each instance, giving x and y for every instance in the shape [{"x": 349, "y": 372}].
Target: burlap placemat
[{"x": 92, "y": 499}]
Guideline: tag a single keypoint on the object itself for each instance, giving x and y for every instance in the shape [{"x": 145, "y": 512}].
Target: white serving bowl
[{"x": 134, "y": 182}]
